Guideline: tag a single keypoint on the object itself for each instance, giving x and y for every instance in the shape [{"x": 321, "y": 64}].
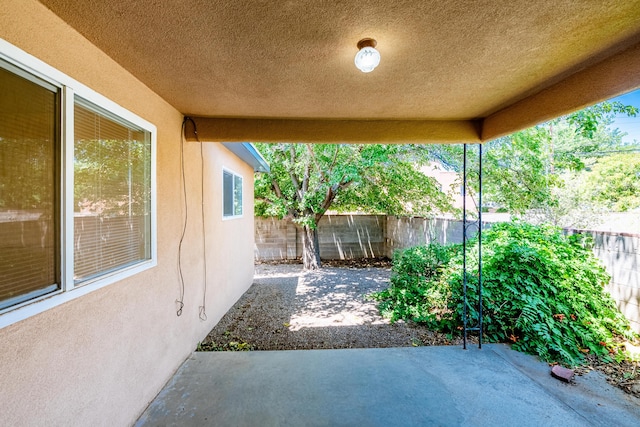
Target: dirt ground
[{"x": 287, "y": 308}]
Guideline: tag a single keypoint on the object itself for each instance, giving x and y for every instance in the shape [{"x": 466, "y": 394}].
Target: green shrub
[
  {"x": 414, "y": 292},
  {"x": 543, "y": 291}
]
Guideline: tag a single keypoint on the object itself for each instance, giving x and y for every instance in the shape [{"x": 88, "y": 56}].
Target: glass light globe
[{"x": 367, "y": 59}]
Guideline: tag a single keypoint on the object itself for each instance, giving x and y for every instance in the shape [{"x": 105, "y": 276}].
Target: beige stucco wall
[{"x": 99, "y": 359}]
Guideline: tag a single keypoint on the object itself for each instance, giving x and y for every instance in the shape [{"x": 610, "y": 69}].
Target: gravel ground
[{"x": 287, "y": 308}]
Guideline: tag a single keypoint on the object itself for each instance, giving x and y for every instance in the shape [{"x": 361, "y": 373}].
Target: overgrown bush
[
  {"x": 417, "y": 291},
  {"x": 543, "y": 291}
]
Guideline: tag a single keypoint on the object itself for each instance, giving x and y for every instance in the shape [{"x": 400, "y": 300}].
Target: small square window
[{"x": 231, "y": 194}]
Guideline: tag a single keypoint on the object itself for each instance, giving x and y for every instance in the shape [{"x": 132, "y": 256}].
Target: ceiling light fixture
[{"x": 367, "y": 57}]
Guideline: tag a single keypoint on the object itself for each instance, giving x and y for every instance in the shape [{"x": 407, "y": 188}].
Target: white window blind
[{"x": 112, "y": 193}]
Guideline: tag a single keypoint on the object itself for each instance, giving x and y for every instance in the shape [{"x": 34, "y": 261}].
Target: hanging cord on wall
[
  {"x": 202, "y": 312},
  {"x": 203, "y": 308},
  {"x": 180, "y": 300}
]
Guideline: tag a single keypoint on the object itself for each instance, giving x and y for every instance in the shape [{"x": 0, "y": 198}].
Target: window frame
[
  {"x": 233, "y": 175},
  {"x": 68, "y": 89},
  {"x": 79, "y": 101}
]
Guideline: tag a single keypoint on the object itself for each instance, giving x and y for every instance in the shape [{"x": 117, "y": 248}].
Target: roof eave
[{"x": 248, "y": 154}]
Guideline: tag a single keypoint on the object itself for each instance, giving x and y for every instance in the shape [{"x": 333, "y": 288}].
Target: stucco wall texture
[{"x": 99, "y": 359}]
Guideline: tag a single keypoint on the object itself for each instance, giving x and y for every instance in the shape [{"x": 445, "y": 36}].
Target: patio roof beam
[
  {"x": 607, "y": 79},
  {"x": 338, "y": 131}
]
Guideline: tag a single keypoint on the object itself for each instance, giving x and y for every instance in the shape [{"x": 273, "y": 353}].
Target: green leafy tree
[
  {"x": 534, "y": 173},
  {"x": 538, "y": 173},
  {"x": 590, "y": 120},
  {"x": 308, "y": 179},
  {"x": 615, "y": 181},
  {"x": 516, "y": 170}
]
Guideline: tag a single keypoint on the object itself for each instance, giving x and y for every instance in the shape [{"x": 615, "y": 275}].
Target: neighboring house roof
[
  {"x": 248, "y": 153},
  {"x": 451, "y": 71}
]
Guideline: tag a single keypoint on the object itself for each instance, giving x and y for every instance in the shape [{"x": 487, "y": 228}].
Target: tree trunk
[{"x": 310, "y": 248}]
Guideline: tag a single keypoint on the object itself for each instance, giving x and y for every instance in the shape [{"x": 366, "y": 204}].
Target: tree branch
[
  {"x": 307, "y": 172},
  {"x": 329, "y": 197},
  {"x": 312, "y": 154},
  {"x": 276, "y": 188},
  {"x": 335, "y": 159},
  {"x": 265, "y": 199},
  {"x": 292, "y": 173},
  {"x": 278, "y": 191}
]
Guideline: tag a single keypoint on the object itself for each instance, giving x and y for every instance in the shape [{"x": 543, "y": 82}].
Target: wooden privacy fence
[{"x": 375, "y": 236}]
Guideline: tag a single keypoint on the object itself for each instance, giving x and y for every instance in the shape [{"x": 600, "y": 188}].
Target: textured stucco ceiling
[{"x": 454, "y": 60}]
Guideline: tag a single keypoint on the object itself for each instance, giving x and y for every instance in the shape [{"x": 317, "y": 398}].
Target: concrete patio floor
[{"x": 444, "y": 386}]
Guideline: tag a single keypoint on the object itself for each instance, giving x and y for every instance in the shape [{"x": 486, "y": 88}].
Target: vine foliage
[{"x": 543, "y": 291}]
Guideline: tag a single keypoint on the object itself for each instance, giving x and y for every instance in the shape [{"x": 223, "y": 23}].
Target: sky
[{"x": 630, "y": 125}]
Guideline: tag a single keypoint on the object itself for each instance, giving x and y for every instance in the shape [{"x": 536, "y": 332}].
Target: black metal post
[
  {"x": 464, "y": 247},
  {"x": 465, "y": 225},
  {"x": 480, "y": 246}
]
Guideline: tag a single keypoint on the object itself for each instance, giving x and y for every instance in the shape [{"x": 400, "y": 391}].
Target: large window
[
  {"x": 231, "y": 194},
  {"x": 76, "y": 188}
]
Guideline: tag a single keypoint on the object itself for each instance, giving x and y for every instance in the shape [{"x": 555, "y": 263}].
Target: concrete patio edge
[{"x": 381, "y": 387}]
